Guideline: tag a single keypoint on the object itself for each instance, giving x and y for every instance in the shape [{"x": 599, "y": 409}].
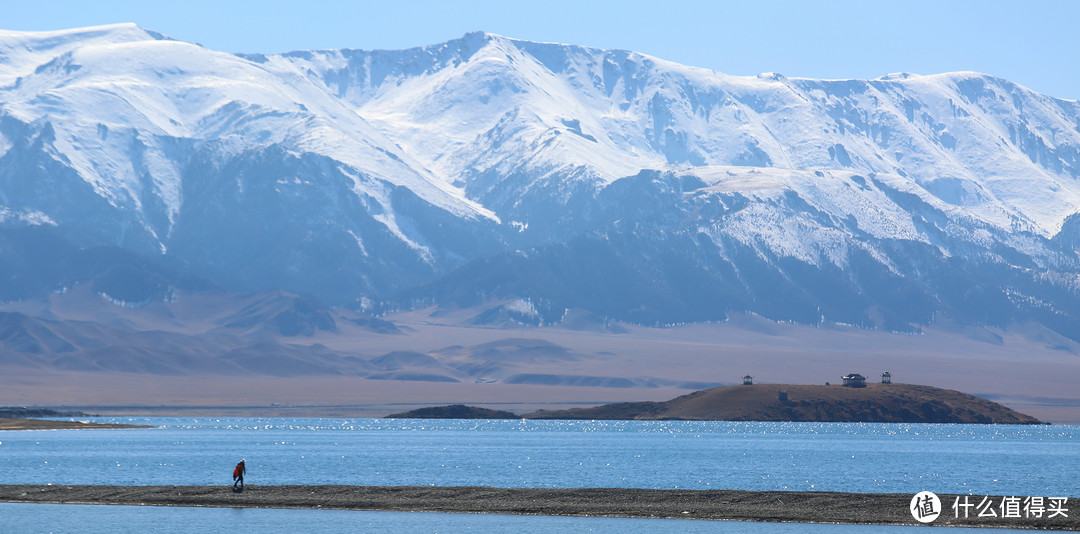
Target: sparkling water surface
[
  {"x": 876, "y": 458},
  {"x": 870, "y": 457}
]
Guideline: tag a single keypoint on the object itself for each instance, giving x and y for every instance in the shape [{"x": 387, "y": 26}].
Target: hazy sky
[{"x": 1031, "y": 42}]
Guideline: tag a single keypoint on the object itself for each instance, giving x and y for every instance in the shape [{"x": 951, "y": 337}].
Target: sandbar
[
  {"x": 11, "y": 423},
  {"x": 771, "y": 506}
]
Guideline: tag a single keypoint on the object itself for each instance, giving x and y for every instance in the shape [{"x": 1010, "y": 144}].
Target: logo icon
[{"x": 925, "y": 507}]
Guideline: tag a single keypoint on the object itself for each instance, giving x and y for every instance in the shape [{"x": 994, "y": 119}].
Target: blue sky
[{"x": 1032, "y": 42}]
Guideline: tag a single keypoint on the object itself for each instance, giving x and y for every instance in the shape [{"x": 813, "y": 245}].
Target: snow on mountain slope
[
  {"x": 962, "y": 137},
  {"x": 351, "y": 174},
  {"x": 509, "y": 120},
  {"x": 108, "y": 90}
]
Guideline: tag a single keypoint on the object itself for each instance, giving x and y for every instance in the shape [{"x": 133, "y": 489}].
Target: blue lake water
[
  {"x": 885, "y": 458},
  {"x": 877, "y": 458}
]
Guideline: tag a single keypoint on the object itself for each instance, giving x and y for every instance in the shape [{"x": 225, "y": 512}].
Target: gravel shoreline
[{"x": 771, "y": 506}]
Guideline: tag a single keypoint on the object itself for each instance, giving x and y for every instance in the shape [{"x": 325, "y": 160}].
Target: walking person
[{"x": 238, "y": 477}]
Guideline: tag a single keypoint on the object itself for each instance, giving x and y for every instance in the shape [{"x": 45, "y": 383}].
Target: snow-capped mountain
[{"x": 563, "y": 176}]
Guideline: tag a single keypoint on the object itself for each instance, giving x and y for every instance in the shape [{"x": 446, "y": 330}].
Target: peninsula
[
  {"x": 27, "y": 419},
  {"x": 868, "y": 403},
  {"x": 11, "y": 423}
]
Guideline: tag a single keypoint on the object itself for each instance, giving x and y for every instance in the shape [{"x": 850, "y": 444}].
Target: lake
[{"x": 850, "y": 457}]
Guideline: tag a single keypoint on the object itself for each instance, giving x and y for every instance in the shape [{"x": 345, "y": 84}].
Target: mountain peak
[
  {"x": 480, "y": 35},
  {"x": 50, "y": 38},
  {"x": 25, "y": 51},
  {"x": 356, "y": 174}
]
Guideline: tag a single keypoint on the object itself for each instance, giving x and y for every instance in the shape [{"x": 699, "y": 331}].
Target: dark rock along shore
[
  {"x": 456, "y": 411},
  {"x": 774, "y": 506}
]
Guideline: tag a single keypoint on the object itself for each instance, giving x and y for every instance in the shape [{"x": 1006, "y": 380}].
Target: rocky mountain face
[{"x": 558, "y": 177}]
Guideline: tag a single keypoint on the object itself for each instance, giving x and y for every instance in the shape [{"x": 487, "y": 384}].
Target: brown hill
[{"x": 875, "y": 403}]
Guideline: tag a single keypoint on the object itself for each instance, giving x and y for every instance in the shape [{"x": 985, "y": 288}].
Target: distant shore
[
  {"x": 11, "y": 423},
  {"x": 734, "y": 505}
]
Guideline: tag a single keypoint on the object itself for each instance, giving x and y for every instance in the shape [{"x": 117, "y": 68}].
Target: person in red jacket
[{"x": 238, "y": 476}]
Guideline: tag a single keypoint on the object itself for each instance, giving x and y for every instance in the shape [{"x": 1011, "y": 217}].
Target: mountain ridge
[{"x": 567, "y": 177}]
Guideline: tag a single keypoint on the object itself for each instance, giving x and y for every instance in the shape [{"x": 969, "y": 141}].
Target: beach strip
[{"x": 772, "y": 506}]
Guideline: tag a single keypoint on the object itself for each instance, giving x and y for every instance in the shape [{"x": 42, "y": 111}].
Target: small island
[
  {"x": 456, "y": 411},
  {"x": 857, "y": 402}
]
